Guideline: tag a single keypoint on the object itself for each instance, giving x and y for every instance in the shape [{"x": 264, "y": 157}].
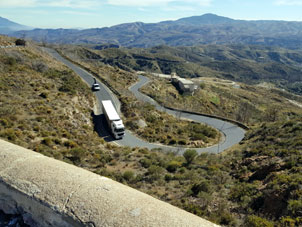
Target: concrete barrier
[{"x": 48, "y": 192}]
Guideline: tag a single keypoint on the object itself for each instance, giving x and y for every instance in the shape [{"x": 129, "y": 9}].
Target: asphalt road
[{"x": 232, "y": 133}]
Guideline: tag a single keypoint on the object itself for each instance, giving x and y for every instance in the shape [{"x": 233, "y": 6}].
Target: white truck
[{"x": 113, "y": 119}]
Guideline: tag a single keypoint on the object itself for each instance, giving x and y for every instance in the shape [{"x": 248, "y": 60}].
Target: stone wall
[{"x": 48, "y": 192}]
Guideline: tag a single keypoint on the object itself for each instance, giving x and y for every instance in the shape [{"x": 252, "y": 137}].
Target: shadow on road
[{"x": 101, "y": 127}]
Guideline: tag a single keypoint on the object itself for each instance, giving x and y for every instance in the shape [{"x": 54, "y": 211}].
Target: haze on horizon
[{"x": 102, "y": 13}]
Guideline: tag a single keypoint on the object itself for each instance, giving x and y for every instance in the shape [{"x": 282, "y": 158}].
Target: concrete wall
[{"x": 48, "y": 192}]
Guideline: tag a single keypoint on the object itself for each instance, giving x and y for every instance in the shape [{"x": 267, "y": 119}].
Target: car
[{"x": 95, "y": 86}]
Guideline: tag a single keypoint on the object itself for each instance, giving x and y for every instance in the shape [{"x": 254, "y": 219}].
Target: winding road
[{"x": 233, "y": 134}]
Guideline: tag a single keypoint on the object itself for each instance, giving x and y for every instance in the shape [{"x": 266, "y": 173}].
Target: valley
[
  {"x": 247, "y": 64},
  {"x": 46, "y": 107}
]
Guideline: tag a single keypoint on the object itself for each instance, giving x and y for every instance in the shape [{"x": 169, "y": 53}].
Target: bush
[
  {"x": 10, "y": 61},
  {"x": 47, "y": 141},
  {"x": 168, "y": 177},
  {"x": 70, "y": 144},
  {"x": 155, "y": 172},
  {"x": 9, "y": 134},
  {"x": 173, "y": 166},
  {"x": 203, "y": 186},
  {"x": 255, "y": 221},
  {"x": 190, "y": 155},
  {"x": 295, "y": 207},
  {"x": 146, "y": 163},
  {"x": 202, "y": 85},
  {"x": 128, "y": 175},
  {"x": 5, "y": 123}
]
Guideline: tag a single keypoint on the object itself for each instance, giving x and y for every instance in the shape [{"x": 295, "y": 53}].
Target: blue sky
[{"x": 102, "y": 13}]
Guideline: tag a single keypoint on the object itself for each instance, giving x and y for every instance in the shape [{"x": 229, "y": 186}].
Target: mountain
[
  {"x": 196, "y": 30},
  {"x": 204, "y": 19},
  {"x": 7, "y": 26}
]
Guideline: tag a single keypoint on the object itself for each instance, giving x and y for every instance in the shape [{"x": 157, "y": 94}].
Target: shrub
[
  {"x": 154, "y": 172},
  {"x": 173, "y": 166},
  {"x": 70, "y": 144},
  {"x": 255, "y": 221},
  {"x": 289, "y": 222},
  {"x": 128, "y": 175},
  {"x": 10, "y": 61},
  {"x": 172, "y": 142},
  {"x": 202, "y": 85},
  {"x": 190, "y": 155},
  {"x": 77, "y": 154},
  {"x": 5, "y": 123},
  {"x": 295, "y": 207},
  {"x": 203, "y": 186},
  {"x": 9, "y": 134},
  {"x": 146, "y": 163},
  {"x": 47, "y": 141},
  {"x": 168, "y": 177}
]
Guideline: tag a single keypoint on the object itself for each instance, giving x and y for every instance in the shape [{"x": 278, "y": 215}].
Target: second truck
[{"x": 114, "y": 121}]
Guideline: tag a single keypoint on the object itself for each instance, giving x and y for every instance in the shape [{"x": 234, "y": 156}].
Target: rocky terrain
[{"x": 47, "y": 108}]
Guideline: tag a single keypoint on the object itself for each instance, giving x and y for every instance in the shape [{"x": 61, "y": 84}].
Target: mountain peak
[
  {"x": 7, "y": 26},
  {"x": 208, "y": 18}
]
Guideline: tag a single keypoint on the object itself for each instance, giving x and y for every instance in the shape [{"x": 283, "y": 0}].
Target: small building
[{"x": 184, "y": 86}]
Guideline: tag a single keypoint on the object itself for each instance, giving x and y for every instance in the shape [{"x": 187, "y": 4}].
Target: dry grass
[
  {"x": 222, "y": 98},
  {"x": 159, "y": 126}
]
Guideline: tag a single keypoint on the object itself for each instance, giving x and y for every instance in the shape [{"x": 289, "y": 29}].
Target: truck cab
[{"x": 118, "y": 129}]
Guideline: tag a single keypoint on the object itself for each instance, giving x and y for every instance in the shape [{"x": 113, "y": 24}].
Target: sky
[{"x": 106, "y": 13}]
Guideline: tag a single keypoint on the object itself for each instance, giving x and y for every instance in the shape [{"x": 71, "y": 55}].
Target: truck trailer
[{"x": 114, "y": 121}]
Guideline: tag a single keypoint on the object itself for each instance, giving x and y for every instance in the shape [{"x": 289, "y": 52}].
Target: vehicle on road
[
  {"x": 95, "y": 86},
  {"x": 114, "y": 121}
]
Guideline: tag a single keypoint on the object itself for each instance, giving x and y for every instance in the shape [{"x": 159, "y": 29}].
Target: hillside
[
  {"x": 245, "y": 103},
  {"x": 204, "y": 29},
  {"x": 142, "y": 118},
  {"x": 247, "y": 64},
  {"x": 269, "y": 172},
  {"x": 45, "y": 107}
]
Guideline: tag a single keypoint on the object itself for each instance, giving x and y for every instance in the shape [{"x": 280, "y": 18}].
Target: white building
[{"x": 183, "y": 85}]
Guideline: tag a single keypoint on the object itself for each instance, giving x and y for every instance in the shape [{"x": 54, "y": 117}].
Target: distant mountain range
[
  {"x": 196, "y": 30},
  {"x": 7, "y": 26}
]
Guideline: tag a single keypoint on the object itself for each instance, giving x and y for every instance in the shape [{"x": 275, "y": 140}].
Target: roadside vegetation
[
  {"x": 256, "y": 183},
  {"x": 249, "y": 64},
  {"x": 160, "y": 127},
  {"x": 142, "y": 118},
  {"x": 249, "y": 104}
]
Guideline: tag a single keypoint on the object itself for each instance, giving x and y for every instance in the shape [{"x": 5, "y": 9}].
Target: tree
[
  {"x": 190, "y": 155},
  {"x": 244, "y": 112}
]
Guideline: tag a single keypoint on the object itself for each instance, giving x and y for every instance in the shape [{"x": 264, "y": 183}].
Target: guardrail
[{"x": 48, "y": 192}]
